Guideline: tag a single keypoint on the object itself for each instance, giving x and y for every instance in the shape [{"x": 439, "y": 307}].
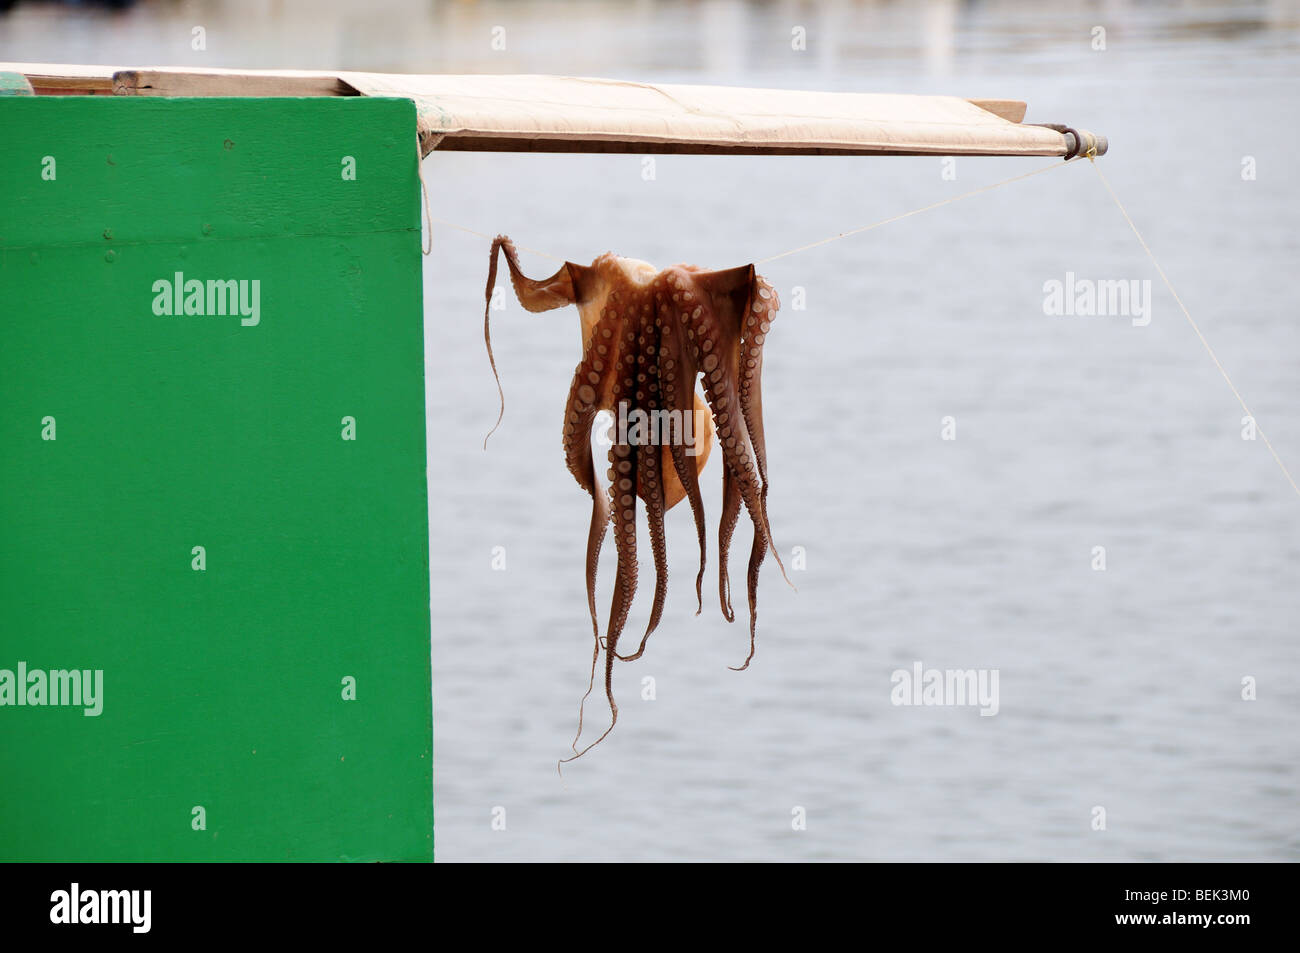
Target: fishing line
[
  {"x": 1091, "y": 156},
  {"x": 916, "y": 211},
  {"x": 816, "y": 244},
  {"x": 490, "y": 238},
  {"x": 1187, "y": 314}
]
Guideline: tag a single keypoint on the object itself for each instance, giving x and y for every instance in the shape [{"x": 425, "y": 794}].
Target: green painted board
[{"x": 226, "y": 679}]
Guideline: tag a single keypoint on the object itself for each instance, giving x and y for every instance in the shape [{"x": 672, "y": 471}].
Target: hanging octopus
[{"x": 647, "y": 336}]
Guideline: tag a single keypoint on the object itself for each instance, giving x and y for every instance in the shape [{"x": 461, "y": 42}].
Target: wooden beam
[
  {"x": 1012, "y": 110},
  {"x": 520, "y": 113},
  {"x": 60, "y": 80},
  {"x": 177, "y": 82},
  {"x": 460, "y": 142}
]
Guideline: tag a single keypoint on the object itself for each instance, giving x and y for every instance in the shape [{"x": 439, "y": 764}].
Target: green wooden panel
[{"x": 223, "y": 688}]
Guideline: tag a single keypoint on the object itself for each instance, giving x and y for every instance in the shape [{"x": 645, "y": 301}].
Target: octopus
[{"x": 648, "y": 336}]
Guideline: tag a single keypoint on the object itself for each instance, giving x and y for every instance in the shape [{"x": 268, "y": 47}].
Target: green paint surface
[{"x": 222, "y": 688}]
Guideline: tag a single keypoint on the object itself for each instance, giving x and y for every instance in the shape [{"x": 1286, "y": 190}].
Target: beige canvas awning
[{"x": 570, "y": 114}]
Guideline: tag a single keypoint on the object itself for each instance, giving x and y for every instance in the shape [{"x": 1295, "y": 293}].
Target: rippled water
[{"x": 1118, "y": 689}]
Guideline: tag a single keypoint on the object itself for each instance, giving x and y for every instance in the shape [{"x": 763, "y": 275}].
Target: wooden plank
[
  {"x": 268, "y": 83},
  {"x": 470, "y": 143},
  {"x": 65, "y": 79}
]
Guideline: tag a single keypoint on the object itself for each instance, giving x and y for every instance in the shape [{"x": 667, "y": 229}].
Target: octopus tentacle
[
  {"x": 689, "y": 478},
  {"x": 600, "y": 519},
  {"x": 593, "y": 378},
  {"x": 677, "y": 374},
  {"x": 623, "y": 491},
  {"x": 717, "y": 347},
  {"x": 591, "y": 685},
  {"x": 759, "y": 314},
  {"x": 718, "y": 340},
  {"x": 554, "y": 292},
  {"x": 650, "y": 468},
  {"x": 756, "y": 553},
  {"x": 624, "y": 503},
  {"x": 487, "y": 329},
  {"x": 758, "y": 550},
  {"x": 650, "y": 475},
  {"x": 726, "y": 529}
]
